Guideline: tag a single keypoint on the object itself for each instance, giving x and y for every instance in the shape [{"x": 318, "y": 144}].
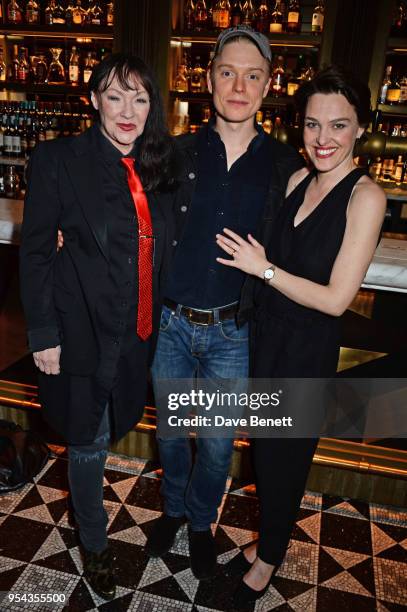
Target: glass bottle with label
[
  {"x": 3, "y": 69},
  {"x": 393, "y": 92},
  {"x": 268, "y": 123},
  {"x": 13, "y": 66},
  {"x": 69, "y": 14},
  {"x": 23, "y": 66},
  {"x": 236, "y": 13},
  {"x": 249, "y": 13},
  {"x": 276, "y": 18},
  {"x": 189, "y": 13},
  {"x": 263, "y": 18},
  {"x": 403, "y": 92},
  {"x": 8, "y": 137},
  {"x": 73, "y": 70},
  {"x": 317, "y": 24},
  {"x": 293, "y": 17},
  {"x": 200, "y": 15},
  {"x": 94, "y": 14},
  {"x": 181, "y": 79},
  {"x": 87, "y": 69},
  {"x": 278, "y": 82},
  {"x": 385, "y": 85},
  {"x": 41, "y": 69},
  {"x": 56, "y": 72},
  {"x": 78, "y": 14},
  {"x": 221, "y": 14},
  {"x": 11, "y": 182},
  {"x": 14, "y": 12},
  {"x": 197, "y": 77},
  {"x": 110, "y": 14},
  {"x": 32, "y": 12}
]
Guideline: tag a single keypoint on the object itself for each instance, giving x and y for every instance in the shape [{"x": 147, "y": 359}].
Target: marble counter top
[
  {"x": 387, "y": 272},
  {"x": 11, "y": 217}
]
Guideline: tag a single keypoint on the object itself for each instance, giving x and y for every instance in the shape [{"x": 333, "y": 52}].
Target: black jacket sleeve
[{"x": 38, "y": 248}]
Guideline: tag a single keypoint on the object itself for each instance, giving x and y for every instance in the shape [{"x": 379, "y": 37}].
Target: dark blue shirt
[{"x": 222, "y": 198}]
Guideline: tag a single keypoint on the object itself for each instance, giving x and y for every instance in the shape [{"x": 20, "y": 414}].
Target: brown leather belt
[{"x": 204, "y": 317}]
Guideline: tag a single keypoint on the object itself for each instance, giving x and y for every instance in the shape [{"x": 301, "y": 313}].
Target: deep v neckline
[{"x": 310, "y": 176}]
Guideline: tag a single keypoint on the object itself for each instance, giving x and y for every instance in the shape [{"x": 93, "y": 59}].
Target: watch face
[{"x": 268, "y": 274}]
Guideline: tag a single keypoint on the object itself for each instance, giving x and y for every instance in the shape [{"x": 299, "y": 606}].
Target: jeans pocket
[
  {"x": 166, "y": 318},
  {"x": 230, "y": 331}
]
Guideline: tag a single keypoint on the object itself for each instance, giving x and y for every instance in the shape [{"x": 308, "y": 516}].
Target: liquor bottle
[
  {"x": 197, "y": 77},
  {"x": 54, "y": 13},
  {"x": 278, "y": 84},
  {"x": 248, "y": 13},
  {"x": 399, "y": 19},
  {"x": 268, "y": 123},
  {"x": 110, "y": 14},
  {"x": 221, "y": 14},
  {"x": 11, "y": 182},
  {"x": 32, "y": 12},
  {"x": 13, "y": 66},
  {"x": 317, "y": 24},
  {"x": 200, "y": 15},
  {"x": 181, "y": 78},
  {"x": 293, "y": 17},
  {"x": 41, "y": 69},
  {"x": 78, "y": 14},
  {"x": 236, "y": 13},
  {"x": 189, "y": 11},
  {"x": 73, "y": 69},
  {"x": 23, "y": 67},
  {"x": 263, "y": 18},
  {"x": 393, "y": 92},
  {"x": 94, "y": 14},
  {"x": 87, "y": 69},
  {"x": 8, "y": 136},
  {"x": 3, "y": 69},
  {"x": 69, "y": 14},
  {"x": 403, "y": 92},
  {"x": 14, "y": 12},
  {"x": 276, "y": 18},
  {"x": 385, "y": 85}
]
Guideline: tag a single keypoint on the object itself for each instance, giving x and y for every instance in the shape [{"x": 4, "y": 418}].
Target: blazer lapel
[{"x": 84, "y": 171}]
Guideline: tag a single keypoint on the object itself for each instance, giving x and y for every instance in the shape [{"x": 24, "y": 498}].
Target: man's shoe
[
  {"x": 163, "y": 534},
  {"x": 202, "y": 550},
  {"x": 99, "y": 572}
]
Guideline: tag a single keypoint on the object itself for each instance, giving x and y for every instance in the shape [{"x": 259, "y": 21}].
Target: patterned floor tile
[{"x": 344, "y": 555}]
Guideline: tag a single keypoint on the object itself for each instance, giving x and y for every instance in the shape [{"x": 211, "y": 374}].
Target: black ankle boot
[
  {"x": 202, "y": 552},
  {"x": 99, "y": 572},
  {"x": 237, "y": 566},
  {"x": 163, "y": 534}
]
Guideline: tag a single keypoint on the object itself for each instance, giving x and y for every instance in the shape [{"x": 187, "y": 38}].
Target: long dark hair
[
  {"x": 156, "y": 157},
  {"x": 337, "y": 79}
]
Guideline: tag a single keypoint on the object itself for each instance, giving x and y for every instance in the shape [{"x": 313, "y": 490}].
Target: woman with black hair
[
  {"x": 93, "y": 307},
  {"x": 310, "y": 268}
]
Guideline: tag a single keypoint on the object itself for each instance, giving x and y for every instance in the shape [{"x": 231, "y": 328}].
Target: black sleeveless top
[
  {"x": 308, "y": 250},
  {"x": 290, "y": 340}
]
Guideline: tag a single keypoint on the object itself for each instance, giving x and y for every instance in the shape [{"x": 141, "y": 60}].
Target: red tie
[{"x": 145, "y": 252}]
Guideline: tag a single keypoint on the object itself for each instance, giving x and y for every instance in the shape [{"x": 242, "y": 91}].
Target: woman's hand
[
  {"x": 60, "y": 240},
  {"x": 248, "y": 255},
  {"x": 48, "y": 360}
]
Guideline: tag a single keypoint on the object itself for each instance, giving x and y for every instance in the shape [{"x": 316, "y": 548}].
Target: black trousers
[{"x": 282, "y": 467}]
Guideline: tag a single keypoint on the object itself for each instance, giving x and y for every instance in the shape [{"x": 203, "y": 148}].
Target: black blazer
[{"x": 60, "y": 291}]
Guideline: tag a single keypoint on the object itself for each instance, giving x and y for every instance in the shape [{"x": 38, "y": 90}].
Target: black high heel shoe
[
  {"x": 244, "y": 595},
  {"x": 237, "y": 566}
]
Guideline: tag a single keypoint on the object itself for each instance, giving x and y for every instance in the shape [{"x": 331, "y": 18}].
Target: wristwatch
[{"x": 269, "y": 273}]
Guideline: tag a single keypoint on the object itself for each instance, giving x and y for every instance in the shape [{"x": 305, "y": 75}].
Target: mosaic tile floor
[{"x": 344, "y": 555}]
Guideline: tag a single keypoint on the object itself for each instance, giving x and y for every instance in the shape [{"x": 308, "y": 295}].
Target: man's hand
[
  {"x": 60, "y": 240},
  {"x": 48, "y": 360}
]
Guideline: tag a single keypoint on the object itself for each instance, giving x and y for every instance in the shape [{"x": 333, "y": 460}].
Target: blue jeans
[
  {"x": 187, "y": 350},
  {"x": 86, "y": 465}
]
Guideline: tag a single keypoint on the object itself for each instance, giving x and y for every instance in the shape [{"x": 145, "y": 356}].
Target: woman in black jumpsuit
[{"x": 321, "y": 244}]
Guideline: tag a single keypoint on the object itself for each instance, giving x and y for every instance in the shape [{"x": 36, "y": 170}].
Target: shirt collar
[{"x": 213, "y": 137}]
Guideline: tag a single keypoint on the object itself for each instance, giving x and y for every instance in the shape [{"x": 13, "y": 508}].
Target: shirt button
[
  {"x": 191, "y": 175},
  {"x": 115, "y": 341},
  {"x": 130, "y": 260},
  {"x": 184, "y": 208},
  {"x": 174, "y": 243},
  {"x": 124, "y": 304}
]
